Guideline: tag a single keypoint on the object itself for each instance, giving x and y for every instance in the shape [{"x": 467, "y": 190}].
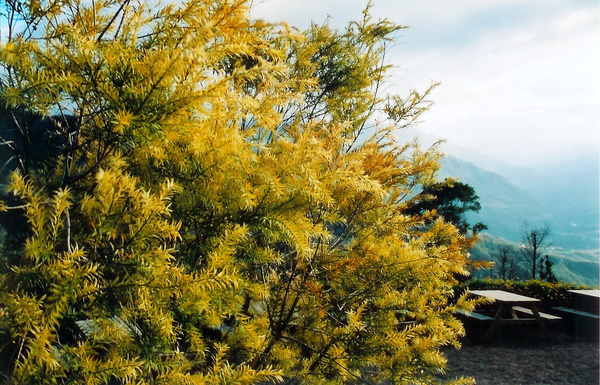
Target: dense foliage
[
  {"x": 451, "y": 200},
  {"x": 551, "y": 294},
  {"x": 214, "y": 207}
]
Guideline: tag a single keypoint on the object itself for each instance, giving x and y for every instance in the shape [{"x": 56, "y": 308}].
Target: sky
[{"x": 520, "y": 79}]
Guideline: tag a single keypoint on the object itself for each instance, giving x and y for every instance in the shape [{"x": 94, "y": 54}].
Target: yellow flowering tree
[{"x": 203, "y": 198}]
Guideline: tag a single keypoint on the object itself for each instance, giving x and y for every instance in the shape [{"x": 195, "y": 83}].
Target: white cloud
[
  {"x": 301, "y": 13},
  {"x": 520, "y": 78},
  {"x": 522, "y": 94}
]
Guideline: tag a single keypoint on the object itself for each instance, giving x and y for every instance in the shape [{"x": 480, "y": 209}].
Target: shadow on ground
[{"x": 527, "y": 357}]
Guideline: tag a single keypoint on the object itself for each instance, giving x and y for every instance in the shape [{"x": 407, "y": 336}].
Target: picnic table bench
[
  {"x": 475, "y": 315},
  {"x": 544, "y": 316},
  {"x": 510, "y": 310}
]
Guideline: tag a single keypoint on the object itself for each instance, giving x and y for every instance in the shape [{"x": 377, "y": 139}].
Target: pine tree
[
  {"x": 218, "y": 207},
  {"x": 546, "y": 273}
]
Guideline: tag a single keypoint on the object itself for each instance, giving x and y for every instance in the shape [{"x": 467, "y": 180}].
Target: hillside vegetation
[{"x": 570, "y": 265}]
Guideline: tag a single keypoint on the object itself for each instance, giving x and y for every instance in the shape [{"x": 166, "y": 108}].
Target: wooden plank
[
  {"x": 504, "y": 296},
  {"x": 543, "y": 315},
  {"x": 517, "y": 321},
  {"x": 481, "y": 317},
  {"x": 477, "y": 316},
  {"x": 577, "y": 312},
  {"x": 589, "y": 293}
]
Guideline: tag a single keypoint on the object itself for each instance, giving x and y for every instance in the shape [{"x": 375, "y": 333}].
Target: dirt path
[{"x": 562, "y": 362}]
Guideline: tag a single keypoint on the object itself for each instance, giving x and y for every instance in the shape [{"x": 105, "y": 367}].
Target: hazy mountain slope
[
  {"x": 504, "y": 207},
  {"x": 572, "y": 191},
  {"x": 567, "y": 199}
]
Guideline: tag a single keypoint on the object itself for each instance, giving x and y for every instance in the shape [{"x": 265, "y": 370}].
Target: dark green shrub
[{"x": 550, "y": 294}]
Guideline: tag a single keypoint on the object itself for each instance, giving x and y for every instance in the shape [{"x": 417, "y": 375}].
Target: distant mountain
[
  {"x": 572, "y": 193},
  {"x": 567, "y": 199},
  {"x": 565, "y": 194},
  {"x": 504, "y": 207}
]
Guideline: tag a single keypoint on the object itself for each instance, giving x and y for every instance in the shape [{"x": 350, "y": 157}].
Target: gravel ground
[{"x": 559, "y": 361}]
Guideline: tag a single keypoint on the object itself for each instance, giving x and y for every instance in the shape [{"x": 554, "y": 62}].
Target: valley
[{"x": 563, "y": 196}]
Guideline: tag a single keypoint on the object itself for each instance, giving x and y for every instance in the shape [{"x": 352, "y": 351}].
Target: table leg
[
  {"x": 539, "y": 319},
  {"x": 497, "y": 318}
]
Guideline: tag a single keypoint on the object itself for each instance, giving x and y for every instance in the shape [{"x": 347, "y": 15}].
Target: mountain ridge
[
  {"x": 567, "y": 201},
  {"x": 506, "y": 206}
]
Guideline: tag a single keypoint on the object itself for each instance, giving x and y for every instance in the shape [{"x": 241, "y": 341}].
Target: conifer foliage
[{"x": 211, "y": 205}]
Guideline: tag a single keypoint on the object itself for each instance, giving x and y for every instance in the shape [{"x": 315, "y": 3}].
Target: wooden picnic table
[
  {"x": 586, "y": 300},
  {"x": 582, "y": 318},
  {"x": 590, "y": 293},
  {"x": 512, "y": 309}
]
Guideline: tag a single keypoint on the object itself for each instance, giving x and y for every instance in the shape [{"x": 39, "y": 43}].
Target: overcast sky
[{"x": 520, "y": 78}]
